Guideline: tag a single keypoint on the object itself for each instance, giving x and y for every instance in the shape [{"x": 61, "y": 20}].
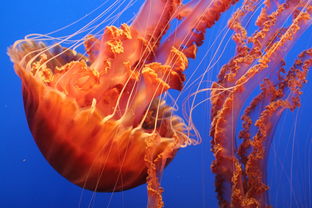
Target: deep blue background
[{"x": 27, "y": 180}]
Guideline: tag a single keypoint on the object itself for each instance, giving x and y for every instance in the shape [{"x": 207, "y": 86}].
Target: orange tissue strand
[
  {"x": 98, "y": 118},
  {"x": 240, "y": 165}
]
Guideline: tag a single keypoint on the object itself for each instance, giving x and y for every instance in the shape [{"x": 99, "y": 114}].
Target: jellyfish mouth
[{"x": 88, "y": 129}]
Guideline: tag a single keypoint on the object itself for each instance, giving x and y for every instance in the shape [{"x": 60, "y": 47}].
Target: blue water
[{"x": 27, "y": 180}]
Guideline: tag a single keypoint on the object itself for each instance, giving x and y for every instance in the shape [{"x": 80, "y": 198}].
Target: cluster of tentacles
[{"x": 241, "y": 158}]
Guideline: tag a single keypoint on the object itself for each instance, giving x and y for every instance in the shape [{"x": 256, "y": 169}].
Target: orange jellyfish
[
  {"x": 258, "y": 65},
  {"x": 99, "y": 119}
]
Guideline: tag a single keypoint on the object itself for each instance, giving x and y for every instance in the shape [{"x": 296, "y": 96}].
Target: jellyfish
[
  {"x": 99, "y": 117},
  {"x": 257, "y": 72}
]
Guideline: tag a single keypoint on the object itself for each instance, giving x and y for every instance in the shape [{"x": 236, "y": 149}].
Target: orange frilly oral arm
[
  {"x": 153, "y": 19},
  {"x": 197, "y": 17}
]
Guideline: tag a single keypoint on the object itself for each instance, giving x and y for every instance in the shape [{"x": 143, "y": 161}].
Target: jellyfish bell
[{"x": 95, "y": 122}]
